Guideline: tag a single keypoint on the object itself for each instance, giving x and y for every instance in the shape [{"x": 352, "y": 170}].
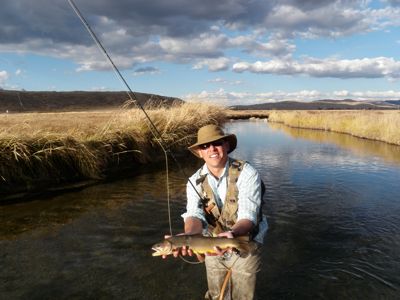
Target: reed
[
  {"x": 247, "y": 114},
  {"x": 46, "y": 149},
  {"x": 370, "y": 124}
]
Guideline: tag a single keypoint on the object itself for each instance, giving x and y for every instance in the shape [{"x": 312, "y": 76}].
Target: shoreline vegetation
[
  {"x": 41, "y": 151},
  {"x": 378, "y": 125},
  {"x": 375, "y": 125}
]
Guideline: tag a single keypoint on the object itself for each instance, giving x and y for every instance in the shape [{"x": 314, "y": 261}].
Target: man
[{"x": 224, "y": 199}]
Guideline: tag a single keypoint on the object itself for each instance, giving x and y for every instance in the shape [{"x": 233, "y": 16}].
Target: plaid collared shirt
[{"x": 249, "y": 197}]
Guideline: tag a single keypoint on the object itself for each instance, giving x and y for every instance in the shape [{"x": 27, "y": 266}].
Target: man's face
[{"x": 215, "y": 154}]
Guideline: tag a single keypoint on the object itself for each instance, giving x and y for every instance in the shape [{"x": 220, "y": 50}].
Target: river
[{"x": 332, "y": 204}]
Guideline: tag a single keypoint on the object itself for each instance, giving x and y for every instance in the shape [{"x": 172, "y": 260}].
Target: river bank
[
  {"x": 44, "y": 151},
  {"x": 368, "y": 124},
  {"x": 247, "y": 114}
]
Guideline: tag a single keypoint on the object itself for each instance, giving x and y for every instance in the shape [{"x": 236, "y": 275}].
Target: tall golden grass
[
  {"x": 247, "y": 114},
  {"x": 370, "y": 124},
  {"x": 41, "y": 149}
]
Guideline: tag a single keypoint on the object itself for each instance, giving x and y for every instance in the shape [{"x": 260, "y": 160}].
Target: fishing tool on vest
[{"x": 134, "y": 99}]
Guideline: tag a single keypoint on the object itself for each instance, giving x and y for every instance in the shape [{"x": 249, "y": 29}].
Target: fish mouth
[
  {"x": 159, "y": 252},
  {"x": 164, "y": 248}
]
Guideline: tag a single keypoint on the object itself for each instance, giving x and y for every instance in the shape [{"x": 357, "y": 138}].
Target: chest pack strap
[{"x": 230, "y": 208}]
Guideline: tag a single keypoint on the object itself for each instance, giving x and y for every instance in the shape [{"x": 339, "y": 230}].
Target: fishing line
[
  {"x": 190, "y": 262},
  {"x": 132, "y": 96}
]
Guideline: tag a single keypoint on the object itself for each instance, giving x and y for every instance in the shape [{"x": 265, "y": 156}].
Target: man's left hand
[
  {"x": 218, "y": 251},
  {"x": 227, "y": 234}
]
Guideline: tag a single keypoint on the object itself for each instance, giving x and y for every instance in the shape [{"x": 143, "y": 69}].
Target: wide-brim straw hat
[{"x": 211, "y": 133}]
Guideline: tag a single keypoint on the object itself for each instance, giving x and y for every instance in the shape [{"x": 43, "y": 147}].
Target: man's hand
[
  {"x": 218, "y": 251},
  {"x": 183, "y": 251},
  {"x": 175, "y": 252},
  {"x": 227, "y": 234}
]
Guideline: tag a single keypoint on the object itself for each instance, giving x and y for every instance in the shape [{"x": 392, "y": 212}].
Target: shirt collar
[{"x": 205, "y": 170}]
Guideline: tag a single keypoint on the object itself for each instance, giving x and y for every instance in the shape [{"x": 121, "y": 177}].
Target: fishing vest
[{"x": 224, "y": 219}]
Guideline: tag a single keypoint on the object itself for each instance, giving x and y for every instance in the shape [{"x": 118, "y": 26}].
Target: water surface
[{"x": 332, "y": 204}]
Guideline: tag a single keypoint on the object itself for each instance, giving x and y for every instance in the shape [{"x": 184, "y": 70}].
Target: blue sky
[{"x": 227, "y": 51}]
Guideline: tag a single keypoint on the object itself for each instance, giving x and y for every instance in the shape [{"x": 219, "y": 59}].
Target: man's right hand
[{"x": 183, "y": 251}]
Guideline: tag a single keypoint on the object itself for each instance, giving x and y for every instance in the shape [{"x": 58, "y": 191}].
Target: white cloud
[
  {"x": 219, "y": 80},
  {"x": 330, "y": 20},
  {"x": 341, "y": 94},
  {"x": 260, "y": 36},
  {"x": 375, "y": 95},
  {"x": 99, "y": 88},
  {"x": 226, "y": 98},
  {"x": 183, "y": 31},
  {"x": 213, "y": 64},
  {"x": 275, "y": 96},
  {"x": 180, "y": 31},
  {"x": 206, "y": 44},
  {"x": 220, "y": 97},
  {"x": 3, "y": 77},
  {"x": 381, "y": 19},
  {"x": 376, "y": 67}
]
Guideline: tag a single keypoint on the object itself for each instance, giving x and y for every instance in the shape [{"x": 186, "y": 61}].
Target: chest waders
[{"x": 221, "y": 220}]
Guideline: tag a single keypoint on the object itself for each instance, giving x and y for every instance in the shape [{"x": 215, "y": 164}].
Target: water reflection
[
  {"x": 64, "y": 208},
  {"x": 333, "y": 210},
  {"x": 363, "y": 147},
  {"x": 96, "y": 243}
]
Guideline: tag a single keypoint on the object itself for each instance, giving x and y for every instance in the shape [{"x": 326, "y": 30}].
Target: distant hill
[
  {"x": 24, "y": 101},
  {"x": 325, "y": 104},
  {"x": 395, "y": 102},
  {"x": 43, "y": 101}
]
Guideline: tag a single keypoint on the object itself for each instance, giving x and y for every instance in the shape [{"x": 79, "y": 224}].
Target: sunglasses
[{"x": 215, "y": 144}]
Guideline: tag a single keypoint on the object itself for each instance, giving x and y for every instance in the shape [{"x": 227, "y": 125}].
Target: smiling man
[{"x": 224, "y": 199}]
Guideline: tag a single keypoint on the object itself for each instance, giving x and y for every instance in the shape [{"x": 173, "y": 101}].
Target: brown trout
[{"x": 200, "y": 244}]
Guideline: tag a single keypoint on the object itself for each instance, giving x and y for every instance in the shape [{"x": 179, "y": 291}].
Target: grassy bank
[
  {"x": 41, "y": 150},
  {"x": 370, "y": 124},
  {"x": 247, "y": 114}
]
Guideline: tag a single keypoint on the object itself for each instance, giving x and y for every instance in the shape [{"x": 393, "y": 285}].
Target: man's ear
[{"x": 199, "y": 153}]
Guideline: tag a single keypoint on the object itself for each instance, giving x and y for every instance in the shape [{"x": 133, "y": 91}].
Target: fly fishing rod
[{"x": 132, "y": 96}]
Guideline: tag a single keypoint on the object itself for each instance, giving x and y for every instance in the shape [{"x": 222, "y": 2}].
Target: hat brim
[{"x": 230, "y": 138}]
